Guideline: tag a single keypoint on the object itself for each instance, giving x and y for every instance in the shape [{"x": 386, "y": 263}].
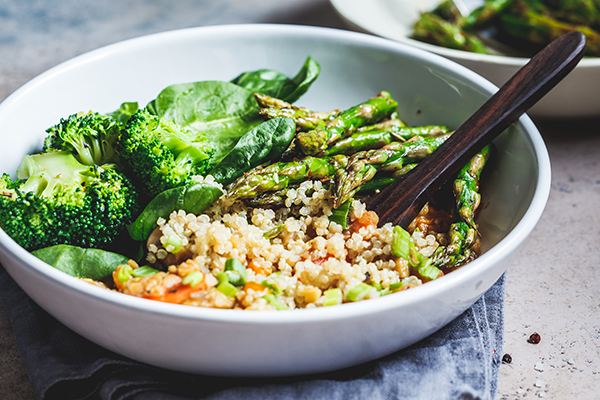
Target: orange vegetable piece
[
  {"x": 257, "y": 287},
  {"x": 178, "y": 294},
  {"x": 368, "y": 218},
  {"x": 259, "y": 269}
]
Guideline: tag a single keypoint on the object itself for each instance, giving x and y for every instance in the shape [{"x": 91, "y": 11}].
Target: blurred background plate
[{"x": 578, "y": 96}]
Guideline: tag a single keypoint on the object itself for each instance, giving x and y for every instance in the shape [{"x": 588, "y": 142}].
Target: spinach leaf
[
  {"x": 192, "y": 198},
  {"x": 80, "y": 262},
  {"x": 264, "y": 143},
  {"x": 221, "y": 110},
  {"x": 276, "y": 84}
]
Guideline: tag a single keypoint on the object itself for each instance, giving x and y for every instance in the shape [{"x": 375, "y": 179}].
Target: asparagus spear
[
  {"x": 306, "y": 119},
  {"x": 581, "y": 12},
  {"x": 273, "y": 199},
  {"x": 380, "y": 134},
  {"x": 461, "y": 238},
  {"x": 434, "y": 29},
  {"x": 484, "y": 14},
  {"x": 466, "y": 187},
  {"x": 402, "y": 132},
  {"x": 279, "y": 175},
  {"x": 395, "y": 158},
  {"x": 463, "y": 234},
  {"x": 345, "y": 124},
  {"x": 371, "y": 139},
  {"x": 523, "y": 21}
]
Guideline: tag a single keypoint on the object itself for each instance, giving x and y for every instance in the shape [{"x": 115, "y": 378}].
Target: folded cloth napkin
[{"x": 460, "y": 361}]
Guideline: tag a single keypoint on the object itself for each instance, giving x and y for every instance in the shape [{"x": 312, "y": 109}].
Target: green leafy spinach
[
  {"x": 222, "y": 111},
  {"x": 192, "y": 198},
  {"x": 80, "y": 262},
  {"x": 261, "y": 144},
  {"x": 276, "y": 84}
]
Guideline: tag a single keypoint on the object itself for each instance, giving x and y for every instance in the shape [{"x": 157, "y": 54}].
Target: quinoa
[{"x": 293, "y": 256}]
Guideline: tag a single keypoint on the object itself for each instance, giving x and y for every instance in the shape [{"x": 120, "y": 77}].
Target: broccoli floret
[
  {"x": 159, "y": 155},
  {"x": 90, "y": 137},
  {"x": 58, "y": 200}
]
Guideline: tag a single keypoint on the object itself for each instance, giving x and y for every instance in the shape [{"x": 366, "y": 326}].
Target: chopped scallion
[
  {"x": 144, "y": 271},
  {"x": 359, "y": 292},
  {"x": 274, "y": 302},
  {"x": 428, "y": 271},
  {"x": 273, "y": 233},
  {"x": 173, "y": 243},
  {"x": 394, "y": 287},
  {"x": 333, "y": 297},
  {"x": 227, "y": 289},
  {"x": 341, "y": 214},
  {"x": 401, "y": 243},
  {"x": 270, "y": 284},
  {"x": 194, "y": 278},
  {"x": 222, "y": 277},
  {"x": 124, "y": 273},
  {"x": 236, "y": 271}
]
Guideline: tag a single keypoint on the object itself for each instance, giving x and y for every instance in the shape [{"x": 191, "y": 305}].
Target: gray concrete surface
[{"x": 553, "y": 287}]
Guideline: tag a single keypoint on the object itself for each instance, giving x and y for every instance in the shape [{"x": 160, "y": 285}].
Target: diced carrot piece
[
  {"x": 368, "y": 218},
  {"x": 259, "y": 269},
  {"x": 257, "y": 287},
  {"x": 178, "y": 294}
]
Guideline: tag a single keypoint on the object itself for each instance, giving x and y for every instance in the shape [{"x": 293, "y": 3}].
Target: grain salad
[{"x": 292, "y": 257}]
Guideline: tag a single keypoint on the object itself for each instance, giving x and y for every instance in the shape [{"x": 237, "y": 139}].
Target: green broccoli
[
  {"x": 159, "y": 155},
  {"x": 90, "y": 137},
  {"x": 58, "y": 200}
]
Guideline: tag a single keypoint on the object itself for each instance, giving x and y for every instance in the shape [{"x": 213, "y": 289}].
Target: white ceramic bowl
[
  {"x": 577, "y": 96},
  {"x": 430, "y": 89}
]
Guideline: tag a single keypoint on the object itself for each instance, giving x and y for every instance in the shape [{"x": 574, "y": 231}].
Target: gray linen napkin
[{"x": 460, "y": 361}]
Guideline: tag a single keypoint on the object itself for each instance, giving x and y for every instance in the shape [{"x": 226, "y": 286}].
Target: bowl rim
[
  {"x": 508, "y": 244},
  {"x": 585, "y": 63},
  {"x": 347, "y": 11}
]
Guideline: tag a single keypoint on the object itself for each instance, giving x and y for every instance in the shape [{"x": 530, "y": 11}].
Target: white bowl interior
[{"x": 429, "y": 89}]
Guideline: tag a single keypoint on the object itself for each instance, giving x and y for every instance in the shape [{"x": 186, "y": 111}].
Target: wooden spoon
[{"x": 401, "y": 201}]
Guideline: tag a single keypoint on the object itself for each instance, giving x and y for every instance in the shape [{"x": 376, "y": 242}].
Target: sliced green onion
[
  {"x": 333, "y": 297},
  {"x": 236, "y": 271},
  {"x": 274, "y": 302},
  {"x": 384, "y": 291},
  {"x": 341, "y": 214},
  {"x": 415, "y": 258},
  {"x": 222, "y": 277},
  {"x": 359, "y": 292},
  {"x": 270, "y": 284},
  {"x": 224, "y": 286},
  {"x": 394, "y": 287},
  {"x": 175, "y": 241},
  {"x": 377, "y": 286},
  {"x": 273, "y": 233},
  {"x": 194, "y": 278},
  {"x": 227, "y": 289},
  {"x": 144, "y": 271},
  {"x": 124, "y": 273},
  {"x": 401, "y": 243},
  {"x": 428, "y": 271}
]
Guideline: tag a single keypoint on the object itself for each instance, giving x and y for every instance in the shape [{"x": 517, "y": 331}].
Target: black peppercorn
[{"x": 534, "y": 338}]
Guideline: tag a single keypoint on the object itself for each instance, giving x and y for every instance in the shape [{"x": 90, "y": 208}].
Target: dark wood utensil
[{"x": 401, "y": 201}]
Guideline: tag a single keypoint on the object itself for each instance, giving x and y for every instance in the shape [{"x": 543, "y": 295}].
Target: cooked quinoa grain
[{"x": 290, "y": 258}]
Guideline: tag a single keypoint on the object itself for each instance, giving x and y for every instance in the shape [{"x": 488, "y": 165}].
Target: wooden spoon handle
[{"x": 401, "y": 201}]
